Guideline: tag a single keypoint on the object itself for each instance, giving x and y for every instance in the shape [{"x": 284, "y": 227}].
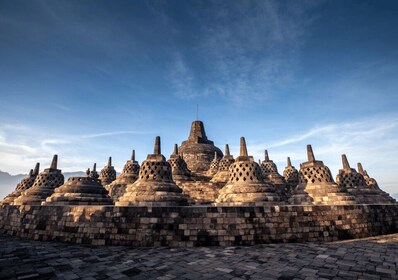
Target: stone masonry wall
[{"x": 197, "y": 225}]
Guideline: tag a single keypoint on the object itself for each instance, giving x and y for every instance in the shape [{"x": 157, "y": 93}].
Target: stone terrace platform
[{"x": 369, "y": 258}]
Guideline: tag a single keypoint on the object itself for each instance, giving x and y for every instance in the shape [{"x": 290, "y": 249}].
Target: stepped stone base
[
  {"x": 241, "y": 194},
  {"x": 116, "y": 190},
  {"x": 35, "y": 197},
  {"x": 197, "y": 225},
  {"x": 320, "y": 195},
  {"x": 78, "y": 199}
]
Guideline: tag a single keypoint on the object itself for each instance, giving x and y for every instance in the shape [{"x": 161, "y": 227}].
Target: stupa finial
[
  {"x": 54, "y": 163},
  {"x": 360, "y": 168},
  {"x": 266, "y": 157},
  {"x": 310, "y": 153},
  {"x": 157, "y": 149},
  {"x": 133, "y": 155},
  {"x": 30, "y": 172},
  {"x": 227, "y": 150},
  {"x": 94, "y": 167},
  {"x": 215, "y": 155},
  {"x": 289, "y": 163},
  {"x": 243, "y": 148},
  {"x": 346, "y": 165},
  {"x": 110, "y": 161},
  {"x": 36, "y": 170},
  {"x": 88, "y": 172},
  {"x": 175, "y": 152}
]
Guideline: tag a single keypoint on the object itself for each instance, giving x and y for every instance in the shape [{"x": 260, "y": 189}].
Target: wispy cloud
[
  {"x": 248, "y": 50},
  {"x": 112, "y": 133}
]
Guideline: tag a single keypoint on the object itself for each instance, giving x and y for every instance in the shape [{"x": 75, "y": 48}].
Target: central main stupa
[{"x": 198, "y": 151}]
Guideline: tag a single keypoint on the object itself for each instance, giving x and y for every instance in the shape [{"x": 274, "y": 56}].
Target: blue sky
[{"x": 89, "y": 79}]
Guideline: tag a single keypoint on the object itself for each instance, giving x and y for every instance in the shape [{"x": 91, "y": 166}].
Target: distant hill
[{"x": 9, "y": 182}]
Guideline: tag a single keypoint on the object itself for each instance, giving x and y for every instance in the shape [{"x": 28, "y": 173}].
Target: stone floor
[{"x": 371, "y": 258}]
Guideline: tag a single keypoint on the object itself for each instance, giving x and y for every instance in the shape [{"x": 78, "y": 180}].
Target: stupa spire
[
  {"x": 227, "y": 150},
  {"x": 360, "y": 168},
  {"x": 133, "y": 155},
  {"x": 346, "y": 165},
  {"x": 310, "y": 153},
  {"x": 54, "y": 163},
  {"x": 36, "y": 170},
  {"x": 157, "y": 149},
  {"x": 31, "y": 172},
  {"x": 175, "y": 152},
  {"x": 266, "y": 157},
  {"x": 95, "y": 167},
  {"x": 243, "y": 148},
  {"x": 289, "y": 163},
  {"x": 110, "y": 161}
]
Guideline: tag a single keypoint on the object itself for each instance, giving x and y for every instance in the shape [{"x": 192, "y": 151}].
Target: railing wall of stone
[{"x": 197, "y": 225}]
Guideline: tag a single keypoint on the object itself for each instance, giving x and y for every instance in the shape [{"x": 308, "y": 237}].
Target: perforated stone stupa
[
  {"x": 43, "y": 187},
  {"x": 213, "y": 166},
  {"x": 93, "y": 173},
  {"x": 355, "y": 184},
  {"x": 154, "y": 186},
  {"x": 80, "y": 191},
  {"x": 25, "y": 184},
  {"x": 291, "y": 174},
  {"x": 179, "y": 168},
  {"x": 222, "y": 175},
  {"x": 270, "y": 171},
  {"x": 316, "y": 185},
  {"x": 198, "y": 150},
  {"x": 108, "y": 173},
  {"x": 128, "y": 176},
  {"x": 246, "y": 184}
]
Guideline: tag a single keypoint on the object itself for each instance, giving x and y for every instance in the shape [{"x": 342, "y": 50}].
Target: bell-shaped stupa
[
  {"x": 128, "y": 176},
  {"x": 25, "y": 184},
  {"x": 246, "y": 184},
  {"x": 213, "y": 166},
  {"x": 44, "y": 185},
  {"x": 316, "y": 185},
  {"x": 270, "y": 171},
  {"x": 222, "y": 175},
  {"x": 198, "y": 150},
  {"x": 80, "y": 191},
  {"x": 108, "y": 173},
  {"x": 179, "y": 168},
  {"x": 154, "y": 186},
  {"x": 291, "y": 174},
  {"x": 356, "y": 183},
  {"x": 93, "y": 173}
]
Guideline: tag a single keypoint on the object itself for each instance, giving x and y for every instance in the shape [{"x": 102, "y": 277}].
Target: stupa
[
  {"x": 291, "y": 174},
  {"x": 222, "y": 175},
  {"x": 213, "y": 166},
  {"x": 246, "y": 184},
  {"x": 179, "y": 168},
  {"x": 93, "y": 173},
  {"x": 270, "y": 171},
  {"x": 198, "y": 150},
  {"x": 108, "y": 173},
  {"x": 356, "y": 184},
  {"x": 154, "y": 186},
  {"x": 129, "y": 175},
  {"x": 80, "y": 191},
  {"x": 316, "y": 185},
  {"x": 43, "y": 187},
  {"x": 25, "y": 184}
]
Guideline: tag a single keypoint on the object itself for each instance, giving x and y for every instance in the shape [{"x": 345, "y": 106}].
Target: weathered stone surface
[
  {"x": 108, "y": 173},
  {"x": 355, "y": 184},
  {"x": 198, "y": 151},
  {"x": 246, "y": 184},
  {"x": 197, "y": 225},
  {"x": 317, "y": 186},
  {"x": 43, "y": 187},
  {"x": 222, "y": 175},
  {"x": 129, "y": 175},
  {"x": 25, "y": 184},
  {"x": 80, "y": 191},
  {"x": 154, "y": 186},
  {"x": 271, "y": 175}
]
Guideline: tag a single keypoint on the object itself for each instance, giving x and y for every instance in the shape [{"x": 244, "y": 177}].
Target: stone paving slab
[{"x": 369, "y": 258}]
